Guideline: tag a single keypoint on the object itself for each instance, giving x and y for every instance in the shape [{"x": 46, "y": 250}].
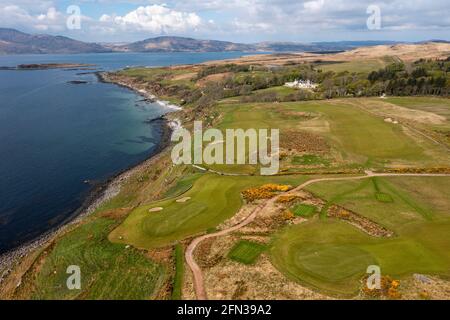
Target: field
[
  {"x": 282, "y": 91},
  {"x": 357, "y": 66},
  {"x": 246, "y": 252},
  {"x": 332, "y": 256}
]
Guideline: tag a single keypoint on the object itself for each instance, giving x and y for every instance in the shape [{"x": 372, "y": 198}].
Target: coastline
[
  {"x": 102, "y": 193},
  {"x": 103, "y": 77}
]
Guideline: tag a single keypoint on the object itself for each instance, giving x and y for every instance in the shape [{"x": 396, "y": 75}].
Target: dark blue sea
[{"x": 55, "y": 136}]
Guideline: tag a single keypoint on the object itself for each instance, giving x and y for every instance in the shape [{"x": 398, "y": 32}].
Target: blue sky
[{"x": 234, "y": 20}]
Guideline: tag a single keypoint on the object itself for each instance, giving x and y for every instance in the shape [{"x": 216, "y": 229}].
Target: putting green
[
  {"x": 246, "y": 251},
  {"x": 332, "y": 262},
  {"x": 304, "y": 210},
  {"x": 213, "y": 199},
  {"x": 332, "y": 255}
]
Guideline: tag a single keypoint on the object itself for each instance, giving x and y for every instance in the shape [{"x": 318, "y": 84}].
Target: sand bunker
[
  {"x": 183, "y": 200},
  {"x": 157, "y": 209}
]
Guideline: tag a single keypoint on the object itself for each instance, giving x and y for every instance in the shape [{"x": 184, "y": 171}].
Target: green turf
[
  {"x": 179, "y": 272},
  {"x": 356, "y": 137},
  {"x": 304, "y": 210},
  {"x": 440, "y": 106},
  {"x": 213, "y": 200},
  {"x": 357, "y": 66},
  {"x": 108, "y": 271},
  {"x": 332, "y": 255},
  {"x": 246, "y": 252},
  {"x": 309, "y": 159},
  {"x": 383, "y": 197},
  {"x": 281, "y": 91},
  {"x": 182, "y": 186}
]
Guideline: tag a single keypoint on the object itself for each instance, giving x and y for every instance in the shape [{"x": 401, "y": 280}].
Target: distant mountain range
[
  {"x": 180, "y": 44},
  {"x": 15, "y": 42}
]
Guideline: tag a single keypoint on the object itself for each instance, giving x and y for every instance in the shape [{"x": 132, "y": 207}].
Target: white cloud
[
  {"x": 236, "y": 20},
  {"x": 155, "y": 19},
  {"x": 51, "y": 14},
  {"x": 15, "y": 16},
  {"x": 315, "y": 5}
]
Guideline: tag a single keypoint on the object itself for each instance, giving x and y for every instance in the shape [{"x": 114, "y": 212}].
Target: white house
[{"x": 301, "y": 84}]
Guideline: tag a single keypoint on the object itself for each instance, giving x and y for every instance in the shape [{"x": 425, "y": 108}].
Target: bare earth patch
[
  {"x": 232, "y": 280},
  {"x": 425, "y": 287}
]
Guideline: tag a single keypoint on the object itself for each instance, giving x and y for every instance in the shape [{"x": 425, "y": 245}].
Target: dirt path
[{"x": 196, "y": 270}]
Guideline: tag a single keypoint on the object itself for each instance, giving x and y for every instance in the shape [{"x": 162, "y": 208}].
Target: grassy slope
[
  {"x": 357, "y": 66},
  {"x": 332, "y": 256},
  {"x": 177, "y": 289},
  {"x": 108, "y": 271}
]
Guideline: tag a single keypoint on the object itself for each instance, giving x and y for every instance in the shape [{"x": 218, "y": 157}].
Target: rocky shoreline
[
  {"x": 97, "y": 197},
  {"x": 148, "y": 96}
]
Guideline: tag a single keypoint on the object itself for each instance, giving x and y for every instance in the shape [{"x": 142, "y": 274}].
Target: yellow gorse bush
[{"x": 266, "y": 191}]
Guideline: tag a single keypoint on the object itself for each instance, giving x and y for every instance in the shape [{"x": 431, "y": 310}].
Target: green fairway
[
  {"x": 440, "y": 106},
  {"x": 383, "y": 197},
  {"x": 281, "y": 91},
  {"x": 355, "y": 136},
  {"x": 309, "y": 159},
  {"x": 332, "y": 255},
  {"x": 213, "y": 200},
  {"x": 246, "y": 252}
]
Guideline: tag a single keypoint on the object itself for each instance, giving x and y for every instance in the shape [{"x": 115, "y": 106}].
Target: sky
[{"x": 244, "y": 21}]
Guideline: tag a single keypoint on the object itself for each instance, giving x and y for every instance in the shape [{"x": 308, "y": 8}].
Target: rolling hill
[{"x": 15, "y": 42}]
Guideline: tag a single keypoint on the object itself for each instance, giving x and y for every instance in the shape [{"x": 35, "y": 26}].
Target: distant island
[
  {"x": 16, "y": 42},
  {"x": 46, "y": 66}
]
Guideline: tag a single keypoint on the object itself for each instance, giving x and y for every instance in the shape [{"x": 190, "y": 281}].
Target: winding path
[{"x": 197, "y": 273}]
